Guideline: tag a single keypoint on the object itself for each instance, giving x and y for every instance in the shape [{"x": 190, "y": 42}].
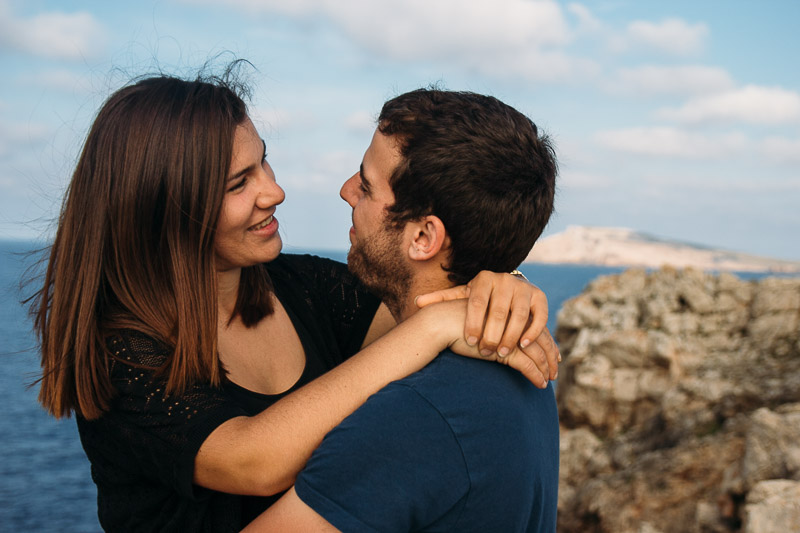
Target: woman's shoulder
[
  {"x": 132, "y": 348},
  {"x": 304, "y": 264},
  {"x": 137, "y": 364},
  {"x": 314, "y": 273}
]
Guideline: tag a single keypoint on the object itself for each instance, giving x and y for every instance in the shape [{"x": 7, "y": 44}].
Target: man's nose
[{"x": 349, "y": 190}]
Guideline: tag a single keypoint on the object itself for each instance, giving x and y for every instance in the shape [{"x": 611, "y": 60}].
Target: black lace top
[{"x": 142, "y": 451}]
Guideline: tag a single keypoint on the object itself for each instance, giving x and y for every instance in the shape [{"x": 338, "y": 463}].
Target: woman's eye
[{"x": 238, "y": 185}]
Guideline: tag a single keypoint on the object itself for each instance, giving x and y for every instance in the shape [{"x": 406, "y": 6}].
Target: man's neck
[{"x": 422, "y": 283}]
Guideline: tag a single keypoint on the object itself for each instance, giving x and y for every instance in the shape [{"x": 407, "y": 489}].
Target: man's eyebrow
[{"x": 364, "y": 181}]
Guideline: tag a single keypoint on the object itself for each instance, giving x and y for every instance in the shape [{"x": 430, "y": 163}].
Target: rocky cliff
[
  {"x": 626, "y": 247},
  {"x": 679, "y": 399}
]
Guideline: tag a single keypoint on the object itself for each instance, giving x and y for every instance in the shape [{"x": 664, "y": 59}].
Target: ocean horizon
[{"x": 45, "y": 480}]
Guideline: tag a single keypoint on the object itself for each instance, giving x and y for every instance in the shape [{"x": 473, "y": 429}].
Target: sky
[{"x": 679, "y": 119}]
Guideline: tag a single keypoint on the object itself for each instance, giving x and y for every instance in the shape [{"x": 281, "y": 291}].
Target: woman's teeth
[{"x": 263, "y": 224}]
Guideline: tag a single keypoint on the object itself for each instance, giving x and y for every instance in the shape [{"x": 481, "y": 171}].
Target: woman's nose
[{"x": 269, "y": 193}]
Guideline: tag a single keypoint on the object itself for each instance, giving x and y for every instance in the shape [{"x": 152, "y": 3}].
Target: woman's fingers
[
  {"x": 490, "y": 299},
  {"x": 518, "y": 318},
  {"x": 444, "y": 295},
  {"x": 503, "y": 312},
  {"x": 538, "y": 315},
  {"x": 549, "y": 348},
  {"x": 526, "y": 363}
]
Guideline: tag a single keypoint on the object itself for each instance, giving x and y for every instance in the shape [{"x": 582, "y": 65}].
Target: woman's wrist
[{"x": 442, "y": 323}]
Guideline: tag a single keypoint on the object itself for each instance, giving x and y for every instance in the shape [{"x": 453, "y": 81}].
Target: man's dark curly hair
[{"x": 479, "y": 165}]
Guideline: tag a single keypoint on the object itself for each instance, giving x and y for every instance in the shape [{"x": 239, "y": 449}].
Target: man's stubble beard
[{"x": 377, "y": 262}]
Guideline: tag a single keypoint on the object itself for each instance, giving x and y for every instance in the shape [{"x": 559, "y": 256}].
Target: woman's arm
[
  {"x": 261, "y": 455},
  {"x": 381, "y": 324},
  {"x": 504, "y": 312}
]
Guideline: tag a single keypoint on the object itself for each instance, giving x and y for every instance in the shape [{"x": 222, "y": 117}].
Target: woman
[{"x": 200, "y": 363}]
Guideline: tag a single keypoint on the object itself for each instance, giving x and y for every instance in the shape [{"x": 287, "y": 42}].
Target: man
[{"x": 452, "y": 183}]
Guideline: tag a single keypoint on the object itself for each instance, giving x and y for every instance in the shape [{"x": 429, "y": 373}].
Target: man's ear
[{"x": 428, "y": 238}]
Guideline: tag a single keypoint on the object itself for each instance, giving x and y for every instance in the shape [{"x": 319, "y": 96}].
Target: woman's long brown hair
[{"x": 134, "y": 245}]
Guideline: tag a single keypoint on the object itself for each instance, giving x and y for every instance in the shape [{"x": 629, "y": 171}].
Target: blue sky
[{"x": 680, "y": 118}]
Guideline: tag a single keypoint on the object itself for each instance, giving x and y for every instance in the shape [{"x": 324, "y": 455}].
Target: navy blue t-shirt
[{"x": 462, "y": 445}]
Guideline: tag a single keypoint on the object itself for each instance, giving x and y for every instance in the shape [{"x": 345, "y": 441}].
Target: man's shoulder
[
  {"x": 450, "y": 374},
  {"x": 487, "y": 397},
  {"x": 438, "y": 431}
]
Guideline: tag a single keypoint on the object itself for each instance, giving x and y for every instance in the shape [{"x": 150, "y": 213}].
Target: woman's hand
[
  {"x": 506, "y": 316},
  {"x": 448, "y": 318},
  {"x": 530, "y": 361}
]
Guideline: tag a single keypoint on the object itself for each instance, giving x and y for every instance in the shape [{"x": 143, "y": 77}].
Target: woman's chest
[{"x": 268, "y": 358}]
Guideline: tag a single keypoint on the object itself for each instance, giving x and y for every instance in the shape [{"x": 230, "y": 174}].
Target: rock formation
[
  {"x": 679, "y": 399},
  {"x": 629, "y": 248}
]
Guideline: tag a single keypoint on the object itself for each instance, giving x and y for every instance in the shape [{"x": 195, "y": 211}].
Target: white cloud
[
  {"x": 59, "y": 79},
  {"x": 294, "y": 8},
  {"x": 322, "y": 173},
  {"x": 673, "y": 36},
  {"x": 584, "y": 180},
  {"x": 587, "y": 23},
  {"x": 421, "y": 29},
  {"x": 753, "y": 104},
  {"x": 360, "y": 123},
  {"x": 671, "y": 142},
  {"x": 717, "y": 183},
  {"x": 781, "y": 149},
  {"x": 672, "y": 80},
  {"x": 278, "y": 121},
  {"x": 16, "y": 136},
  {"x": 504, "y": 38},
  {"x": 70, "y": 36},
  {"x": 532, "y": 65},
  {"x": 412, "y": 28}
]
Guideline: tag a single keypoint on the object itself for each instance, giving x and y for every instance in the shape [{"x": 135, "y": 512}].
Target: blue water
[
  {"x": 559, "y": 282},
  {"x": 45, "y": 484}
]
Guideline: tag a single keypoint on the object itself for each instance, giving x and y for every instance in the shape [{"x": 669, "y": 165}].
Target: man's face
[{"x": 376, "y": 253}]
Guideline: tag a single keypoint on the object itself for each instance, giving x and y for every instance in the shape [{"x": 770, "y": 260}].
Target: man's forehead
[
  {"x": 383, "y": 152},
  {"x": 379, "y": 162}
]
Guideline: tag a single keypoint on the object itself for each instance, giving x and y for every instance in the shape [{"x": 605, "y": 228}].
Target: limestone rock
[
  {"x": 679, "y": 399},
  {"x": 773, "y": 445},
  {"x": 773, "y": 507}
]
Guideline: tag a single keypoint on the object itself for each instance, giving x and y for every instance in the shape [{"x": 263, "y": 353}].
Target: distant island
[{"x": 626, "y": 247}]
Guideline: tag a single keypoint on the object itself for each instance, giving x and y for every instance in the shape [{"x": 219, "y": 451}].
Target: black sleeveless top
[{"x": 142, "y": 450}]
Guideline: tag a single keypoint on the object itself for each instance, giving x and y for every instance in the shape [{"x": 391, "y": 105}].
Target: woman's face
[{"x": 247, "y": 231}]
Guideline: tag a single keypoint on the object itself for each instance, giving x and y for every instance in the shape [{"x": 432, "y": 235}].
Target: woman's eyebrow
[
  {"x": 249, "y": 168},
  {"x": 241, "y": 173}
]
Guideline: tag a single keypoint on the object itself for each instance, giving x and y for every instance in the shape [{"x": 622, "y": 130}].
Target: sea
[{"x": 45, "y": 481}]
